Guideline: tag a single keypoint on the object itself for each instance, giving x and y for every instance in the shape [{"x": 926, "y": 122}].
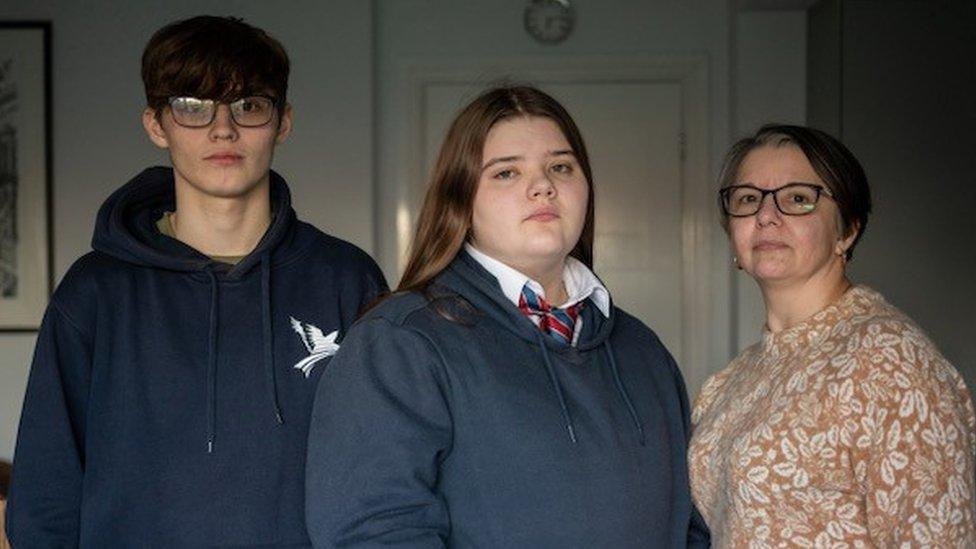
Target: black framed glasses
[
  {"x": 790, "y": 199},
  {"x": 248, "y": 112}
]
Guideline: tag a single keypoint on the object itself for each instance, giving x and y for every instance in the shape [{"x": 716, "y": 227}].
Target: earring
[{"x": 735, "y": 262}]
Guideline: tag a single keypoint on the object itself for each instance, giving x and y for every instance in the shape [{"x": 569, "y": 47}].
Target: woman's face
[
  {"x": 773, "y": 247},
  {"x": 531, "y": 201}
]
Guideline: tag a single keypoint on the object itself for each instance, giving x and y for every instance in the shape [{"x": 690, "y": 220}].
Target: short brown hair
[
  {"x": 832, "y": 161},
  {"x": 213, "y": 57},
  {"x": 445, "y": 218}
]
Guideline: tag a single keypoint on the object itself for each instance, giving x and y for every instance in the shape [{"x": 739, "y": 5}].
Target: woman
[
  {"x": 466, "y": 411},
  {"x": 843, "y": 426}
]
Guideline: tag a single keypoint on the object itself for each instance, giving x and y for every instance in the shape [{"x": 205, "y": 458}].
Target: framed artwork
[{"x": 25, "y": 174}]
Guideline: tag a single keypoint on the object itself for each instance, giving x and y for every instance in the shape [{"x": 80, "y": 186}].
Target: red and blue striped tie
[{"x": 558, "y": 323}]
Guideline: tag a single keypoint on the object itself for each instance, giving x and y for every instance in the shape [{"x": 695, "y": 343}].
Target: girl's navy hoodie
[
  {"x": 164, "y": 406},
  {"x": 450, "y": 420}
]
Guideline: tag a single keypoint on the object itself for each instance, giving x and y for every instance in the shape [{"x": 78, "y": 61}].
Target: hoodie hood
[
  {"x": 156, "y": 379},
  {"x": 126, "y": 227},
  {"x": 126, "y": 230},
  {"x": 474, "y": 283}
]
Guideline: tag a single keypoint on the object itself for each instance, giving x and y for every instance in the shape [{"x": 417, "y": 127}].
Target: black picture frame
[{"x": 26, "y": 216}]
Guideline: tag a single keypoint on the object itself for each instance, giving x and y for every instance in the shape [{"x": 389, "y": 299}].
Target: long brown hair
[{"x": 445, "y": 219}]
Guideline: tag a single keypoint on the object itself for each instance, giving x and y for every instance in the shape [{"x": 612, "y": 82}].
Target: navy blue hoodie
[
  {"x": 450, "y": 420},
  {"x": 164, "y": 406}
]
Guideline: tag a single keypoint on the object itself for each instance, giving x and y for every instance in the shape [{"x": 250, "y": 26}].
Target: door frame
[{"x": 401, "y": 165}]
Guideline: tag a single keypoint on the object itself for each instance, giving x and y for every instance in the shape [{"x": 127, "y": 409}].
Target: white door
[
  {"x": 643, "y": 118},
  {"x": 632, "y": 132}
]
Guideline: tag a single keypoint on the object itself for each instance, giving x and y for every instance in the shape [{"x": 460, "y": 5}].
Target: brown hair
[
  {"x": 832, "y": 161},
  {"x": 445, "y": 219},
  {"x": 5, "y": 470},
  {"x": 212, "y": 57}
]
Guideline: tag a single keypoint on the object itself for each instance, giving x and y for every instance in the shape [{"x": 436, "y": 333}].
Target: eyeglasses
[
  {"x": 248, "y": 112},
  {"x": 790, "y": 199}
]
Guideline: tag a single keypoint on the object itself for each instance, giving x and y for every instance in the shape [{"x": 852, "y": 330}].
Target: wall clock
[{"x": 549, "y": 21}]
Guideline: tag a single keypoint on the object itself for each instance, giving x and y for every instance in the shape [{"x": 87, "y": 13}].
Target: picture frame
[{"x": 26, "y": 250}]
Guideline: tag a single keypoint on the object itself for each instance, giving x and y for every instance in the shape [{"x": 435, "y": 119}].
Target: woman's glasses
[{"x": 790, "y": 199}]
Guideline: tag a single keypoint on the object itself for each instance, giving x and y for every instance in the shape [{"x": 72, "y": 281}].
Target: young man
[{"x": 173, "y": 378}]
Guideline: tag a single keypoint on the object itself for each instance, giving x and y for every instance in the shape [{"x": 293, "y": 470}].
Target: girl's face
[{"x": 530, "y": 206}]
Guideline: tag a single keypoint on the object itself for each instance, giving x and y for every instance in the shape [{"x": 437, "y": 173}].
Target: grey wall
[
  {"x": 769, "y": 85},
  {"x": 906, "y": 110},
  {"x": 99, "y": 142},
  {"x": 824, "y": 45}
]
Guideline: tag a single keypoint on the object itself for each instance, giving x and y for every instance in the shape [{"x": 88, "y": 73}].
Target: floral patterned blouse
[{"x": 847, "y": 430}]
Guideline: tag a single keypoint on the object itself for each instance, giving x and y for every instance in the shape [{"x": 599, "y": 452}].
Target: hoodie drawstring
[
  {"x": 269, "y": 370},
  {"x": 268, "y": 350},
  {"x": 557, "y": 388},
  {"x": 623, "y": 392},
  {"x": 212, "y": 365}
]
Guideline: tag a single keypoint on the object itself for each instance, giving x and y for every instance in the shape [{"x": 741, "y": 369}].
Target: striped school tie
[{"x": 558, "y": 323}]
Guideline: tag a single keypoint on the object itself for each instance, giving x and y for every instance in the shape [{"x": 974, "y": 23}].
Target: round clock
[{"x": 549, "y": 21}]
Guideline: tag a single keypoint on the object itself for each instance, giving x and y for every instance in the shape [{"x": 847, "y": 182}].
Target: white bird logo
[{"x": 319, "y": 345}]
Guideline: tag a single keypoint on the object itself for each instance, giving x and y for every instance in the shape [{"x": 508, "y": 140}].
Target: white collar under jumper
[{"x": 580, "y": 282}]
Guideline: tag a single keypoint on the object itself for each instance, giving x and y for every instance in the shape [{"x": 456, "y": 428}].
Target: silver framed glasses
[
  {"x": 790, "y": 199},
  {"x": 247, "y": 112}
]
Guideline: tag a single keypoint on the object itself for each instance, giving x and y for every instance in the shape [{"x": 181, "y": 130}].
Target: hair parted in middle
[{"x": 444, "y": 223}]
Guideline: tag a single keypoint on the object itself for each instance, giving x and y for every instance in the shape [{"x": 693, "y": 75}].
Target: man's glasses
[
  {"x": 248, "y": 112},
  {"x": 791, "y": 199}
]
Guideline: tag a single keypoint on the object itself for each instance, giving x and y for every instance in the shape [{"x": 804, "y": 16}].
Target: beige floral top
[{"x": 848, "y": 430}]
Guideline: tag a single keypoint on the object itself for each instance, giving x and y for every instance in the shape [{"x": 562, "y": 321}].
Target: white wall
[
  {"x": 16, "y": 351},
  {"x": 99, "y": 143}
]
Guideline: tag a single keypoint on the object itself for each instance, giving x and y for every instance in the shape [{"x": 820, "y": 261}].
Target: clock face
[{"x": 549, "y": 21}]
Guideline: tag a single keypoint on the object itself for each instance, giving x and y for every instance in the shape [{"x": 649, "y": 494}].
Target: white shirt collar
[{"x": 580, "y": 281}]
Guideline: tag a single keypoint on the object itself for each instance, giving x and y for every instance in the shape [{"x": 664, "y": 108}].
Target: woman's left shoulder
[
  {"x": 892, "y": 345},
  {"x": 873, "y": 322},
  {"x": 868, "y": 320}
]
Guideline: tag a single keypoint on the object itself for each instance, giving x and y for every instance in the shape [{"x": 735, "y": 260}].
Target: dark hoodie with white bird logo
[{"x": 169, "y": 398}]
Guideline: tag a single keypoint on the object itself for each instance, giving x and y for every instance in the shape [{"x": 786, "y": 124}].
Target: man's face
[{"x": 222, "y": 159}]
